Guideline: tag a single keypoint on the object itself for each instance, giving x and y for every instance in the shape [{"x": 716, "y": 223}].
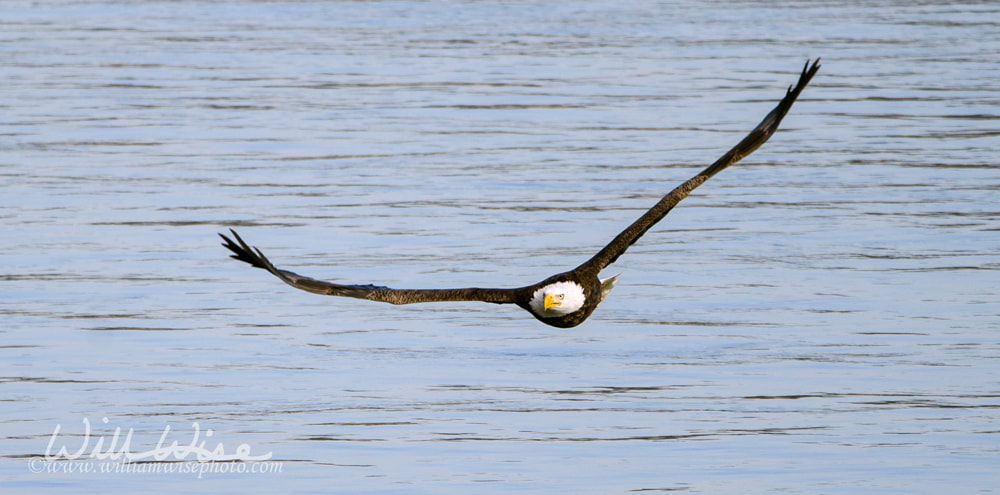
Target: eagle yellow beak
[{"x": 550, "y": 301}]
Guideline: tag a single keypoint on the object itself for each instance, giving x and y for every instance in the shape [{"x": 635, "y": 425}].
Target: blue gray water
[{"x": 822, "y": 318}]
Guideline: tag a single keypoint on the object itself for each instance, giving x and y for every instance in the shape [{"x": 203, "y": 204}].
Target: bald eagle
[{"x": 563, "y": 300}]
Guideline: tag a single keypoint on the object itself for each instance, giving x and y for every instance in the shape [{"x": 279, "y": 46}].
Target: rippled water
[{"x": 822, "y": 318}]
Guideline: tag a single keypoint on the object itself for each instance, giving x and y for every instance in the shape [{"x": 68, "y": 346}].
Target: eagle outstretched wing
[
  {"x": 243, "y": 252},
  {"x": 758, "y": 136}
]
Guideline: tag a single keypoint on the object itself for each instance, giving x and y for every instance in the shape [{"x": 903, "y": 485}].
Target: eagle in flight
[{"x": 565, "y": 299}]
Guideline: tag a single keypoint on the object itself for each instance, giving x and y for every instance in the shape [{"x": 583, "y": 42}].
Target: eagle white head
[{"x": 558, "y": 299}]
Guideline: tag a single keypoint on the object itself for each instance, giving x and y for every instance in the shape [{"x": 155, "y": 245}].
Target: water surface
[{"x": 822, "y": 318}]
